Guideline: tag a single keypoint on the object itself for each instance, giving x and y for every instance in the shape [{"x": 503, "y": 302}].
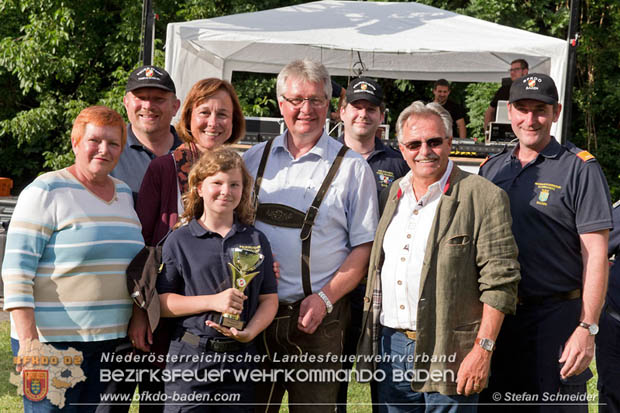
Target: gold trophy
[{"x": 244, "y": 260}]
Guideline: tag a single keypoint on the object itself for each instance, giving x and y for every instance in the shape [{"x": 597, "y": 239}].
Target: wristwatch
[
  {"x": 328, "y": 304},
  {"x": 592, "y": 328},
  {"x": 486, "y": 343}
]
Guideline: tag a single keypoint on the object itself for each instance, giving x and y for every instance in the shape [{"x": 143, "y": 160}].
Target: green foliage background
[{"x": 57, "y": 57}]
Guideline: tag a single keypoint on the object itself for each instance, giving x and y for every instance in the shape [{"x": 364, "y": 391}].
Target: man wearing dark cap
[
  {"x": 362, "y": 112},
  {"x": 151, "y": 103},
  {"x": 561, "y": 213}
]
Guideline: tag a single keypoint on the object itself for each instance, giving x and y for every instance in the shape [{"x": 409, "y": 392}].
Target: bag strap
[{"x": 259, "y": 174}]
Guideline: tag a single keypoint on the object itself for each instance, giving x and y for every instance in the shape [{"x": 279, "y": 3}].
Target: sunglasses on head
[{"x": 415, "y": 145}]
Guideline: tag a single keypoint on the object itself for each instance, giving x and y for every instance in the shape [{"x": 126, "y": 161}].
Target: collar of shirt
[
  {"x": 133, "y": 142},
  {"x": 379, "y": 146},
  {"x": 199, "y": 231},
  {"x": 434, "y": 190},
  {"x": 551, "y": 151},
  {"x": 318, "y": 150}
]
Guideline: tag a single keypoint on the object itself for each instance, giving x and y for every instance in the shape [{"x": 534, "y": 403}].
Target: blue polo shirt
[
  {"x": 134, "y": 160},
  {"x": 553, "y": 199},
  {"x": 196, "y": 263},
  {"x": 613, "y": 289},
  {"x": 387, "y": 164}
]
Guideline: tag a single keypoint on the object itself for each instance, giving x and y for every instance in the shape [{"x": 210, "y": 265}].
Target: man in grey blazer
[{"x": 443, "y": 272}]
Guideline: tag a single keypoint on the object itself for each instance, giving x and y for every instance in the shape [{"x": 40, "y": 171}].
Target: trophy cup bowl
[{"x": 244, "y": 260}]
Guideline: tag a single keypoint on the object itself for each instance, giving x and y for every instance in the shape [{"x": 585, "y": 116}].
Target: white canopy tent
[{"x": 392, "y": 40}]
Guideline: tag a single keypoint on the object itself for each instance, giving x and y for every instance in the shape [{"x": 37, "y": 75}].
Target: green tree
[{"x": 57, "y": 57}]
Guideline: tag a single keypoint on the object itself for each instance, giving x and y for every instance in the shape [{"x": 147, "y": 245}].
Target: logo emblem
[
  {"x": 35, "y": 384},
  {"x": 531, "y": 82},
  {"x": 149, "y": 72},
  {"x": 363, "y": 86},
  {"x": 544, "y": 195},
  {"x": 240, "y": 282}
]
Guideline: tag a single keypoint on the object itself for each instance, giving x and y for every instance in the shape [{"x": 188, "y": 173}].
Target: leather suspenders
[{"x": 289, "y": 217}]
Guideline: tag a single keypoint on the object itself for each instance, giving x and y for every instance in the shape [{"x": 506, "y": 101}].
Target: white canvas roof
[{"x": 393, "y": 40}]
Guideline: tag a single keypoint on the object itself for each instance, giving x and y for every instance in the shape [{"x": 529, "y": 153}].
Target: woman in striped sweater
[{"x": 71, "y": 237}]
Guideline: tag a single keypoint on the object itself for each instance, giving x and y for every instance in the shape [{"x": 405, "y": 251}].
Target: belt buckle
[{"x": 411, "y": 335}]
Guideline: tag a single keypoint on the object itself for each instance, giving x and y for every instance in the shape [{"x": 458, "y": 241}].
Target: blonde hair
[{"x": 210, "y": 163}]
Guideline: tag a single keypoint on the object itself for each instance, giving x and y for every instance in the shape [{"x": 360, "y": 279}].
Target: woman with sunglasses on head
[{"x": 211, "y": 117}]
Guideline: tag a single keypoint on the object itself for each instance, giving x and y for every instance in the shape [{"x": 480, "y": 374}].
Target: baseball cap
[
  {"x": 364, "y": 88},
  {"x": 535, "y": 86},
  {"x": 150, "y": 76}
]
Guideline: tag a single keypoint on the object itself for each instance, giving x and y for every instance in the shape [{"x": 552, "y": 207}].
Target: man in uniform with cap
[
  {"x": 561, "y": 212},
  {"x": 362, "y": 112},
  {"x": 317, "y": 205},
  {"x": 151, "y": 103}
]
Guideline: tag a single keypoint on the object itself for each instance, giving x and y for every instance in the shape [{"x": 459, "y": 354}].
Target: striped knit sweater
[{"x": 66, "y": 255}]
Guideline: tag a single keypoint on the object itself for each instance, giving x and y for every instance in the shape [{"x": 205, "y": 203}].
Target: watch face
[{"x": 593, "y": 329}]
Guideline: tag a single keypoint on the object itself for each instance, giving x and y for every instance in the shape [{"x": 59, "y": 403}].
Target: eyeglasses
[
  {"x": 515, "y": 69},
  {"x": 314, "y": 101},
  {"x": 415, "y": 145}
]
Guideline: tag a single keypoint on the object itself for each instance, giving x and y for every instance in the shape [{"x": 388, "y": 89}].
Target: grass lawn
[{"x": 359, "y": 394}]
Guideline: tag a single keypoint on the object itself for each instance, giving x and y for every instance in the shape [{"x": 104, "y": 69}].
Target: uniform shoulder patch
[{"x": 584, "y": 155}]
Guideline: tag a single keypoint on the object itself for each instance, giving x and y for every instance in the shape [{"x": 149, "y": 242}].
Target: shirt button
[
  {"x": 399, "y": 282},
  {"x": 402, "y": 307},
  {"x": 402, "y": 258},
  {"x": 408, "y": 235},
  {"x": 415, "y": 212}
]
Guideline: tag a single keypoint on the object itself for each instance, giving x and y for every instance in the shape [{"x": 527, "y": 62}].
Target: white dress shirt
[{"x": 404, "y": 246}]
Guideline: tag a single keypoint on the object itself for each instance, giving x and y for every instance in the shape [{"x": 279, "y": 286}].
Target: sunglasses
[{"x": 415, "y": 145}]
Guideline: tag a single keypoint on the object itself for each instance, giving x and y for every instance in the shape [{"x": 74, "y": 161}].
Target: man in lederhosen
[{"x": 317, "y": 204}]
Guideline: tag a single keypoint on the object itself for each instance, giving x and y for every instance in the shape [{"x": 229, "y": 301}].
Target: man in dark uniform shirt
[
  {"x": 362, "y": 112},
  {"x": 561, "y": 212},
  {"x": 518, "y": 68},
  {"x": 608, "y": 339},
  {"x": 441, "y": 90}
]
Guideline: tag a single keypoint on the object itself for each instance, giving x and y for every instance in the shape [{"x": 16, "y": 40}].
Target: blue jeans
[
  {"x": 85, "y": 395},
  {"x": 397, "y": 396}
]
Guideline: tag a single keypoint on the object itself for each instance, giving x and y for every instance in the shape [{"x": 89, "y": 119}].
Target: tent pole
[
  {"x": 573, "y": 37},
  {"x": 148, "y": 33}
]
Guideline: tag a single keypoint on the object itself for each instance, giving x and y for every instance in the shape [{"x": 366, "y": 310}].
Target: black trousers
[
  {"x": 525, "y": 371},
  {"x": 282, "y": 339}
]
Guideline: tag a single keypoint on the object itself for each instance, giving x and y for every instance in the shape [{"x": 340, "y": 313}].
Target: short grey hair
[
  {"x": 307, "y": 70},
  {"x": 418, "y": 108}
]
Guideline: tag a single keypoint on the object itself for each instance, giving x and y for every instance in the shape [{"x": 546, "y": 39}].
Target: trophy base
[{"x": 231, "y": 323}]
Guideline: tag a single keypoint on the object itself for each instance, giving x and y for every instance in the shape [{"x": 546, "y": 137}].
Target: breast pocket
[{"x": 457, "y": 245}]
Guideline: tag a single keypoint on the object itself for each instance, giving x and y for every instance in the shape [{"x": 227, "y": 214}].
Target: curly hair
[{"x": 210, "y": 163}]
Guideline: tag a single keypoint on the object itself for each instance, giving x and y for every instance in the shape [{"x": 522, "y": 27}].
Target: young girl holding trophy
[{"x": 218, "y": 282}]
